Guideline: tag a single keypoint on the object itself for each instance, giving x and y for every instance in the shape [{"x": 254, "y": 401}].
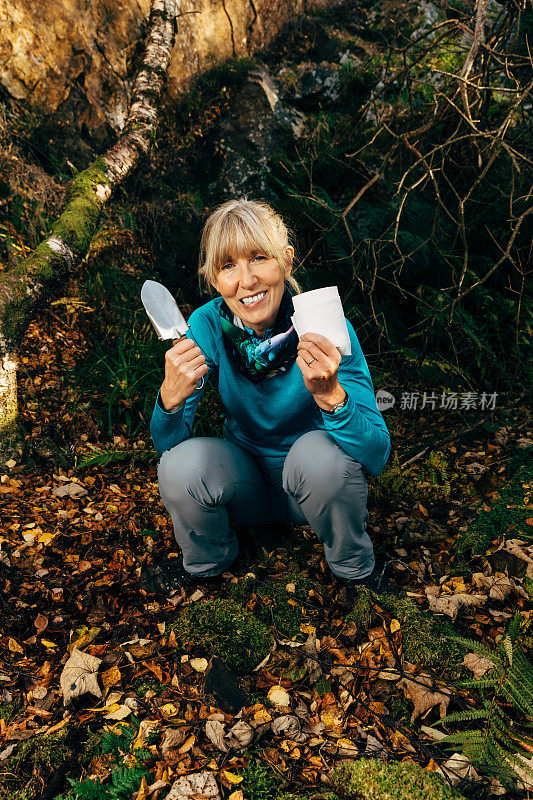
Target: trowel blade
[{"x": 163, "y": 311}]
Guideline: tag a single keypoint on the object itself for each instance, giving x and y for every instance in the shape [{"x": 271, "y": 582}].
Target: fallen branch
[{"x": 38, "y": 277}]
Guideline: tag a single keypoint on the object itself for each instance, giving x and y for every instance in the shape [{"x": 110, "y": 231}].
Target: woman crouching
[{"x": 301, "y": 425}]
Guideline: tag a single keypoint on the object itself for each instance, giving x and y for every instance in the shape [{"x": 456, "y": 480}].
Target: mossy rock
[
  {"x": 371, "y": 779},
  {"x": 35, "y": 763},
  {"x": 225, "y": 629},
  {"x": 271, "y": 602},
  {"x": 425, "y": 638}
]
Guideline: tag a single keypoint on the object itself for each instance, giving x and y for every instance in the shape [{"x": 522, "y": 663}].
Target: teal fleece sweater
[{"x": 267, "y": 417}]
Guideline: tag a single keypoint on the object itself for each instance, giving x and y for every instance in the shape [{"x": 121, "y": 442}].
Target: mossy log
[{"x": 36, "y": 279}]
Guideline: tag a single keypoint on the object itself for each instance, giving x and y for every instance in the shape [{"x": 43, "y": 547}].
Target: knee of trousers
[
  {"x": 317, "y": 466},
  {"x": 188, "y": 471}
]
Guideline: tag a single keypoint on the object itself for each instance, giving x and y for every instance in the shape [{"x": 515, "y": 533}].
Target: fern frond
[
  {"x": 463, "y": 716},
  {"x": 478, "y": 647},
  {"x": 473, "y": 683},
  {"x": 86, "y": 790},
  {"x": 471, "y": 737}
]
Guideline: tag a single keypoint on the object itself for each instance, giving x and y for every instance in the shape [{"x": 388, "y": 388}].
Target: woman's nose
[{"x": 247, "y": 277}]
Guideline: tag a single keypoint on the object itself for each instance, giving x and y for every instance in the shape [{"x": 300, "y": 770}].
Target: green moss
[
  {"x": 271, "y": 603},
  {"x": 392, "y": 484},
  {"x": 9, "y": 711},
  {"x": 34, "y": 763},
  {"x": 370, "y": 779},
  {"x": 223, "y": 628},
  {"x": 506, "y": 516},
  {"x": 425, "y": 638},
  {"x": 363, "y": 612},
  {"x": 141, "y": 686},
  {"x": 260, "y": 783}
]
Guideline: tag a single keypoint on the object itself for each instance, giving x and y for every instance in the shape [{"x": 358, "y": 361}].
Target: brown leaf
[
  {"x": 41, "y": 623},
  {"x": 425, "y": 695},
  {"x": 479, "y": 665},
  {"x": 451, "y": 604},
  {"x": 195, "y": 786},
  {"x": 80, "y": 676},
  {"x": 69, "y": 490}
]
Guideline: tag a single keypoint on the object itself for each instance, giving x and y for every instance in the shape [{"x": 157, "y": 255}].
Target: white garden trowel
[{"x": 164, "y": 314}]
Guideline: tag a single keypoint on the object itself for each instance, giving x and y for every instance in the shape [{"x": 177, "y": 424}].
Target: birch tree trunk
[{"x": 41, "y": 274}]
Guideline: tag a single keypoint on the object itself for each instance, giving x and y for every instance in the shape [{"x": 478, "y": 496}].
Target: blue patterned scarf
[{"x": 261, "y": 357}]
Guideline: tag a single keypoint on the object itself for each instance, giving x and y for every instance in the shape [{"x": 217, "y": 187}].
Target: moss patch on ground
[
  {"x": 507, "y": 516},
  {"x": 225, "y": 629},
  {"x": 425, "y": 638},
  {"x": 284, "y": 603},
  {"x": 370, "y": 779},
  {"x": 34, "y": 764}
]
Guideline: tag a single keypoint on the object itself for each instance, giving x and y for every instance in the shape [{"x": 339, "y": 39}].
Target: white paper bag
[{"x": 320, "y": 311}]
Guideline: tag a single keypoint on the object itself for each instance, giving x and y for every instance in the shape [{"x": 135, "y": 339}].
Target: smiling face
[{"x": 252, "y": 286}]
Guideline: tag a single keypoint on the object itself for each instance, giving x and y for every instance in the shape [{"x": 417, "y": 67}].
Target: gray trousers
[{"x": 206, "y": 482}]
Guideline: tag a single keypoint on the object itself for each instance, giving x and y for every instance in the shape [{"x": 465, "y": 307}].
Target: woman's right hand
[{"x": 184, "y": 367}]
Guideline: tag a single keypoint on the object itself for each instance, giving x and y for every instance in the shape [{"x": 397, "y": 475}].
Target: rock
[
  {"x": 225, "y": 688},
  {"x": 251, "y": 135},
  {"x": 83, "y": 57},
  {"x": 313, "y": 84}
]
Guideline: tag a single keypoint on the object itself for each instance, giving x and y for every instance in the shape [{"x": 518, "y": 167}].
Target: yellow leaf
[
  {"x": 187, "y": 744},
  {"x": 14, "y": 646},
  {"x": 45, "y": 537},
  {"x": 117, "y": 711},
  {"x": 236, "y": 795},
  {"x": 110, "y": 677},
  {"x": 231, "y": 777},
  {"x": 305, "y": 628},
  {"x": 58, "y": 727},
  {"x": 169, "y": 709},
  {"x": 199, "y": 664},
  {"x": 262, "y": 715},
  {"x": 143, "y": 791},
  {"x": 346, "y": 743},
  {"x": 394, "y": 626},
  {"x": 50, "y": 645}
]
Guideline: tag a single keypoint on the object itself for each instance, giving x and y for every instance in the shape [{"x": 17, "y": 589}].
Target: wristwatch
[{"x": 337, "y": 407}]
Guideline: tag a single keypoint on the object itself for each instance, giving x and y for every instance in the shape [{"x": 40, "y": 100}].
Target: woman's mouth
[{"x": 253, "y": 300}]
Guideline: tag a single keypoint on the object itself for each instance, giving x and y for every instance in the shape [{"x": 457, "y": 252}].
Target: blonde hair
[{"x": 234, "y": 229}]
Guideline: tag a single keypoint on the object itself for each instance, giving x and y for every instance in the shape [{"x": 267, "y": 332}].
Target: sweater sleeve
[
  {"x": 167, "y": 428},
  {"x": 359, "y": 427}
]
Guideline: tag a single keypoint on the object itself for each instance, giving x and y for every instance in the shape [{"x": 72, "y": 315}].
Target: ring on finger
[{"x": 310, "y": 362}]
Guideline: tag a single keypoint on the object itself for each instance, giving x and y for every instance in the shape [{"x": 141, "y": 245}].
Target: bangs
[{"x": 240, "y": 237}]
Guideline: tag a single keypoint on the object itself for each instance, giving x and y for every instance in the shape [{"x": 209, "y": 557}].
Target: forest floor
[
  {"x": 280, "y": 679},
  {"x": 74, "y": 542}
]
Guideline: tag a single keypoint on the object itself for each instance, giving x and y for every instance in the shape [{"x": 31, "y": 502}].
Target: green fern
[
  {"x": 125, "y": 779},
  {"x": 502, "y": 726}
]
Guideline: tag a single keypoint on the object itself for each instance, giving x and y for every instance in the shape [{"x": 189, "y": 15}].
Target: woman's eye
[
  {"x": 226, "y": 266},
  {"x": 259, "y": 258}
]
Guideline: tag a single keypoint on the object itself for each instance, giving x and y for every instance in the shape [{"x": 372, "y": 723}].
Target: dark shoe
[
  {"x": 260, "y": 540},
  {"x": 377, "y": 582},
  {"x": 169, "y": 574}
]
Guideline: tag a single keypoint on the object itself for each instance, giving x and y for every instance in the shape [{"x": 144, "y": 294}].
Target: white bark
[
  {"x": 43, "y": 272},
  {"x": 8, "y": 393}
]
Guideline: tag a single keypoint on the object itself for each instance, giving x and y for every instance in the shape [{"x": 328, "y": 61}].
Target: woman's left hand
[{"x": 319, "y": 361}]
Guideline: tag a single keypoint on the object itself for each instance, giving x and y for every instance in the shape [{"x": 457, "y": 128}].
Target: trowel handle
[{"x": 201, "y": 381}]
